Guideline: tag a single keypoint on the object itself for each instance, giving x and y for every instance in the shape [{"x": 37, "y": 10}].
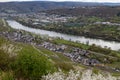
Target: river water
[{"x": 112, "y": 44}]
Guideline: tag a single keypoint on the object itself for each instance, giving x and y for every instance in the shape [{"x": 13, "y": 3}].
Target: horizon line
[{"x": 62, "y": 1}]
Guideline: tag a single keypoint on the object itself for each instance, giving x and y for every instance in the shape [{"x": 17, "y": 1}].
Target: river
[{"x": 112, "y": 44}]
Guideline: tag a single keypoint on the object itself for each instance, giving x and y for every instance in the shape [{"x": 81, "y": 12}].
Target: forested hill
[
  {"x": 36, "y": 6},
  {"x": 99, "y": 11}
]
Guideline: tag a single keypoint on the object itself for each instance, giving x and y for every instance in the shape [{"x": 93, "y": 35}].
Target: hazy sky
[{"x": 114, "y": 1}]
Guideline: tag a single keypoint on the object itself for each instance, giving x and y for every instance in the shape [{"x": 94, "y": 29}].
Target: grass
[
  {"x": 4, "y": 26},
  {"x": 49, "y": 53},
  {"x": 74, "y": 44},
  {"x": 54, "y": 54},
  {"x": 58, "y": 59},
  {"x": 116, "y": 74},
  {"x": 115, "y": 64},
  {"x": 7, "y": 76}
]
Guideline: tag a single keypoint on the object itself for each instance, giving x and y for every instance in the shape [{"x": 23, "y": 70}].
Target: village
[
  {"x": 76, "y": 55},
  {"x": 37, "y": 18},
  {"x": 59, "y": 40}
]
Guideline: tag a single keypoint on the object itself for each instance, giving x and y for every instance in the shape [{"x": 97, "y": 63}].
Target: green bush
[
  {"x": 4, "y": 60},
  {"x": 96, "y": 71},
  {"x": 7, "y": 76},
  {"x": 32, "y": 65}
]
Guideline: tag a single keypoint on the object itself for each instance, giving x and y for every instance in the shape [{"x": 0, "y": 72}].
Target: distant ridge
[{"x": 36, "y": 6}]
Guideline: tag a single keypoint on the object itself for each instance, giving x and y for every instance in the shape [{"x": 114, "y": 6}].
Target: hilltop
[
  {"x": 36, "y": 6},
  {"x": 99, "y": 11}
]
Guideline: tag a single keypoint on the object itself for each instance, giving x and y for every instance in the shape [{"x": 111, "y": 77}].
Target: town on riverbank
[
  {"x": 59, "y": 41},
  {"x": 92, "y": 56}
]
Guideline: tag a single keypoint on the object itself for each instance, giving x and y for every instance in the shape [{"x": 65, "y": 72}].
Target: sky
[{"x": 113, "y": 1}]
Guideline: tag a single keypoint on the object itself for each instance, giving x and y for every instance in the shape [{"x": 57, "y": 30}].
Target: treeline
[
  {"x": 98, "y": 31},
  {"x": 98, "y": 11}
]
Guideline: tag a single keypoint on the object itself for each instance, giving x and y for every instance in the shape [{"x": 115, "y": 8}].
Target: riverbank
[
  {"x": 78, "y": 31},
  {"x": 74, "y": 51},
  {"x": 96, "y": 52},
  {"x": 66, "y": 54},
  {"x": 21, "y": 59},
  {"x": 112, "y": 45}
]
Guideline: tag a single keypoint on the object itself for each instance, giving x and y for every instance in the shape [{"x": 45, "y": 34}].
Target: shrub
[
  {"x": 4, "y": 60},
  {"x": 32, "y": 65},
  {"x": 7, "y": 76}
]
